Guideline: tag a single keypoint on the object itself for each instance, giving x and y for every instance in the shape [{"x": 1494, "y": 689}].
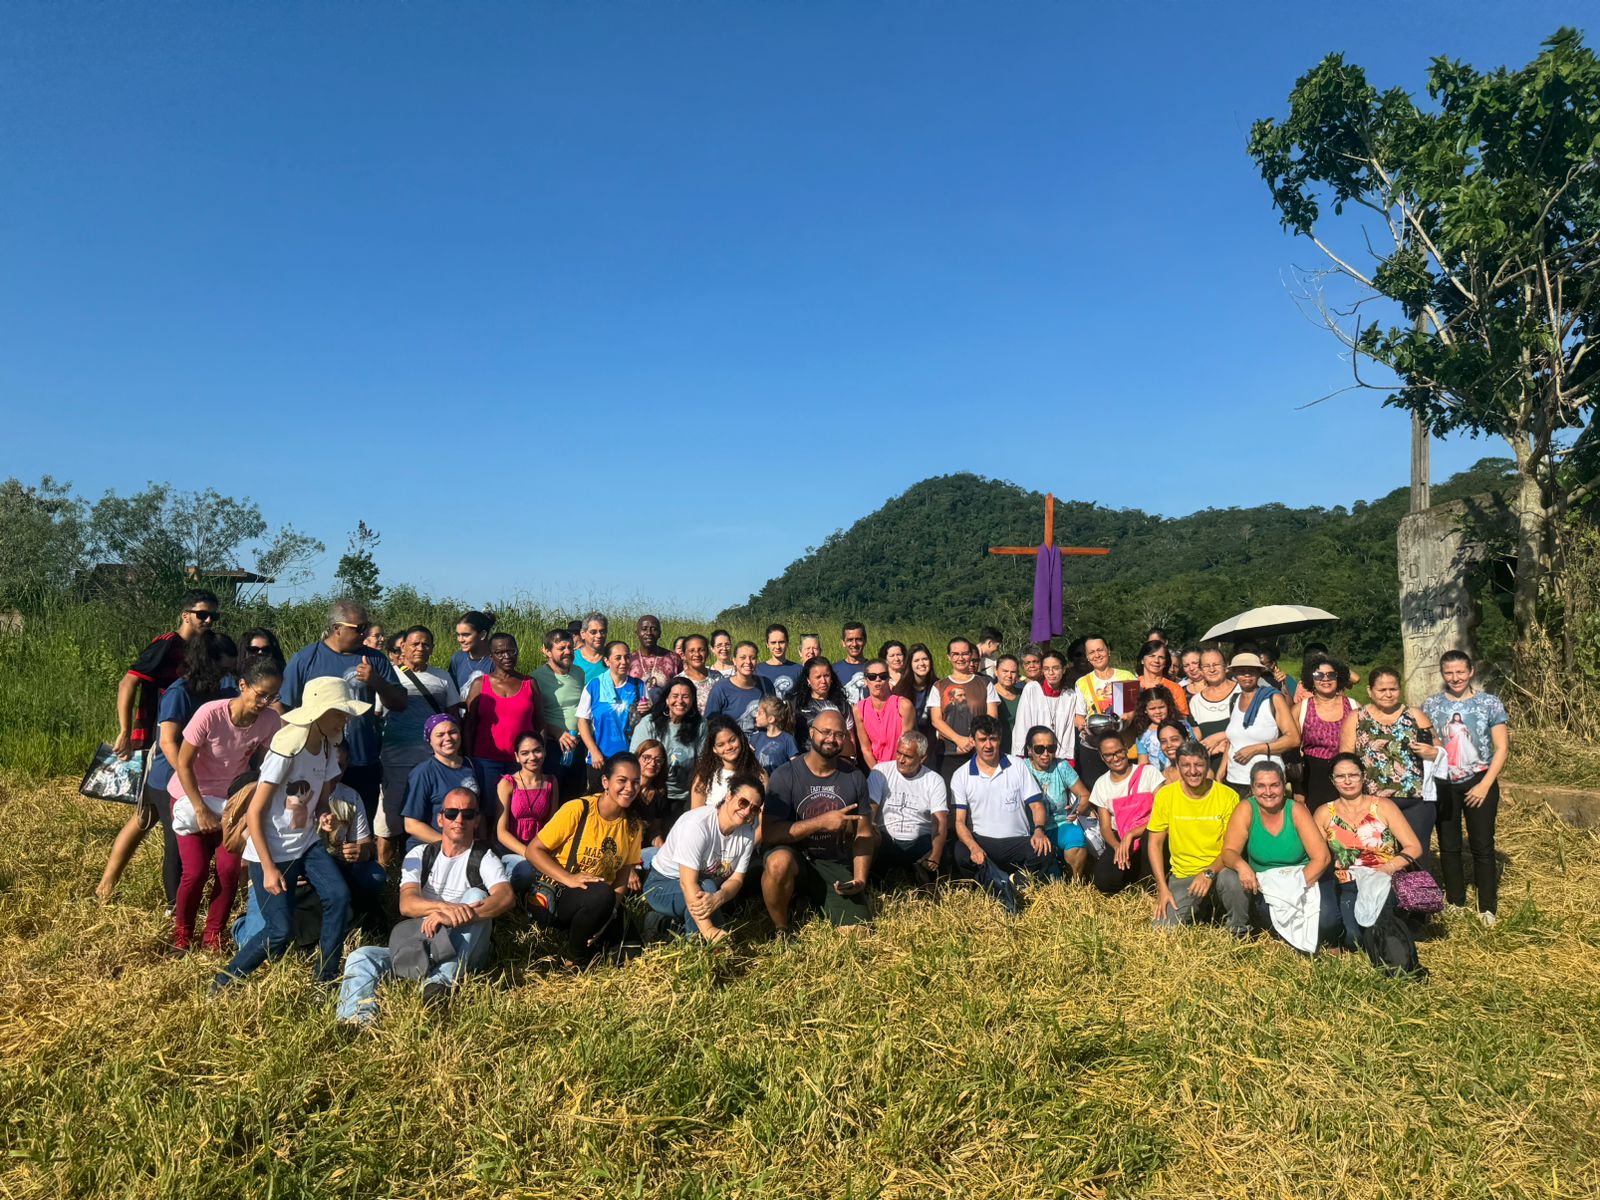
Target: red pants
[{"x": 199, "y": 852}]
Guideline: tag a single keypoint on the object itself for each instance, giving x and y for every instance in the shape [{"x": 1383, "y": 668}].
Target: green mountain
[{"x": 921, "y": 560}]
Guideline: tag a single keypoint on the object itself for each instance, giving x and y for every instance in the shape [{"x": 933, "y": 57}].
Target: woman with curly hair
[{"x": 726, "y": 753}]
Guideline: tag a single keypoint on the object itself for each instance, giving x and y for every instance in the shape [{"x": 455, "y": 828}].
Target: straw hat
[{"x": 1249, "y": 661}]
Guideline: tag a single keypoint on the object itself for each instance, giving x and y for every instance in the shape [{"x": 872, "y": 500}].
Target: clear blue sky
[{"x": 609, "y": 299}]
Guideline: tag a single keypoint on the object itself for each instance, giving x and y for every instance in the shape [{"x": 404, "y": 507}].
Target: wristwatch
[{"x": 1211, "y": 876}]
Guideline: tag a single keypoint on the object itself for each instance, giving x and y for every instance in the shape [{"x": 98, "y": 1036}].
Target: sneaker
[{"x": 1488, "y": 919}]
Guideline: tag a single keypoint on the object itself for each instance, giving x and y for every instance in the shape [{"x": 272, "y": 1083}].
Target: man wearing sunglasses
[
  {"x": 450, "y": 894},
  {"x": 367, "y": 673},
  {"x": 157, "y": 669}
]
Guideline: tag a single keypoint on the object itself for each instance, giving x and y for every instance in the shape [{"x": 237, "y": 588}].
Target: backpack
[
  {"x": 430, "y": 855},
  {"x": 1390, "y": 946}
]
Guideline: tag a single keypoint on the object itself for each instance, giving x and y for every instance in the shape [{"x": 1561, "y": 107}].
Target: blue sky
[{"x": 576, "y": 301}]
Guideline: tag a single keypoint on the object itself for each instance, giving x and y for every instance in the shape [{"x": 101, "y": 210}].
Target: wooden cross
[{"x": 1049, "y": 536}]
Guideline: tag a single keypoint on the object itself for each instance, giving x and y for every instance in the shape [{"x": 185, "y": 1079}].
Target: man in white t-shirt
[
  {"x": 910, "y": 810},
  {"x": 452, "y": 891},
  {"x": 1000, "y": 818},
  {"x": 701, "y": 867}
]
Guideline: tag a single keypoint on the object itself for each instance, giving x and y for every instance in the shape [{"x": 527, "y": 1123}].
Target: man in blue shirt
[
  {"x": 367, "y": 674},
  {"x": 848, "y": 673}
]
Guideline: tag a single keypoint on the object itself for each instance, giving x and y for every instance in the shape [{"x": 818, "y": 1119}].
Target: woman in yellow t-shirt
[{"x": 586, "y": 853}]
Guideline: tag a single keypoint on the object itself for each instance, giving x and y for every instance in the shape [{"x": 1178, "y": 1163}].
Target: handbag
[
  {"x": 423, "y": 691},
  {"x": 235, "y": 826},
  {"x": 545, "y": 892},
  {"x": 1417, "y": 891},
  {"x": 1133, "y": 810},
  {"x": 114, "y": 779}
]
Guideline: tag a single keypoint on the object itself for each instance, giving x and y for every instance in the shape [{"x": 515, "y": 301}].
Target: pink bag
[{"x": 1133, "y": 810}]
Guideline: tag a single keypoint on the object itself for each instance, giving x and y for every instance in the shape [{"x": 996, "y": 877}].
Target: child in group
[
  {"x": 1155, "y": 707},
  {"x": 773, "y": 743},
  {"x": 528, "y": 798}
]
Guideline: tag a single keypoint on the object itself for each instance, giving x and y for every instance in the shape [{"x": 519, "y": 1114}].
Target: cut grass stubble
[{"x": 1071, "y": 1050}]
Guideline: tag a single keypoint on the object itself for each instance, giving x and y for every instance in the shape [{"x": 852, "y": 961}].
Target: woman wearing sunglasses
[
  {"x": 882, "y": 717},
  {"x": 700, "y": 869},
  {"x": 1320, "y": 717},
  {"x": 1066, "y": 800}
]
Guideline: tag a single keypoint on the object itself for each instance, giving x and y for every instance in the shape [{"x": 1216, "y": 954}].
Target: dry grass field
[{"x": 1071, "y": 1051}]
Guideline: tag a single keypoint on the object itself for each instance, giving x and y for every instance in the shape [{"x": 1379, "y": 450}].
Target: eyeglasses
[
  {"x": 1324, "y": 674},
  {"x": 1111, "y": 754},
  {"x": 458, "y": 814},
  {"x": 1041, "y": 749},
  {"x": 876, "y": 676},
  {"x": 203, "y": 614}
]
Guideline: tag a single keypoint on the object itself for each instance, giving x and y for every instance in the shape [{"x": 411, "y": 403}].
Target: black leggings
[
  {"x": 1109, "y": 879},
  {"x": 1452, "y": 810},
  {"x": 171, "y": 867},
  {"x": 583, "y": 913}
]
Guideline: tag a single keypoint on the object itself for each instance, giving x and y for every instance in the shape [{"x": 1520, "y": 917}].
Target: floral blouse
[{"x": 1393, "y": 769}]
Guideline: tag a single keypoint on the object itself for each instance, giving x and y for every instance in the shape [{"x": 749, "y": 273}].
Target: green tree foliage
[
  {"x": 158, "y": 539},
  {"x": 357, "y": 572},
  {"x": 1472, "y": 226},
  {"x": 43, "y": 539},
  {"x": 921, "y": 559}
]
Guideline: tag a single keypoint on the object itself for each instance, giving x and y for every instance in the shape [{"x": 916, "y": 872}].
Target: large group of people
[{"x": 623, "y": 792}]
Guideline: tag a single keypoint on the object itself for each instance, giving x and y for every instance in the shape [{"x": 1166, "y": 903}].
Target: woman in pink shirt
[
  {"x": 882, "y": 718},
  {"x": 218, "y": 744},
  {"x": 501, "y": 707}
]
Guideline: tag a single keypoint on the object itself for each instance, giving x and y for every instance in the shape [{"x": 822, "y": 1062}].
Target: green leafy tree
[
  {"x": 43, "y": 541},
  {"x": 357, "y": 572},
  {"x": 1468, "y": 234},
  {"x": 164, "y": 536}
]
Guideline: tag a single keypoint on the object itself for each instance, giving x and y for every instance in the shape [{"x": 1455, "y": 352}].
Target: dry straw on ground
[{"x": 1072, "y": 1051}]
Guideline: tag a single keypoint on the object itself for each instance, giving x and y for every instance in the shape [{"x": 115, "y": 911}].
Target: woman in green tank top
[{"x": 1268, "y": 829}]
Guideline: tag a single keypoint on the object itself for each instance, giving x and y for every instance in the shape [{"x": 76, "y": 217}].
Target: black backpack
[
  {"x": 1390, "y": 945},
  {"x": 430, "y": 855}
]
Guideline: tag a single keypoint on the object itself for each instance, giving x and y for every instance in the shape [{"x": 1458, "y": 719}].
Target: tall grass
[
  {"x": 1071, "y": 1051},
  {"x": 59, "y": 671}
]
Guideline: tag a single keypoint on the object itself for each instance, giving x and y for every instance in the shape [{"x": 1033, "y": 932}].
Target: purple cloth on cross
[{"x": 1047, "y": 594}]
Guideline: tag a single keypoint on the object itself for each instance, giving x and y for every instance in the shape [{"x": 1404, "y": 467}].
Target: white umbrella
[{"x": 1274, "y": 620}]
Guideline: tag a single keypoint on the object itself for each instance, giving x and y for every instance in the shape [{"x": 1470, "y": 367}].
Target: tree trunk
[{"x": 1530, "y": 537}]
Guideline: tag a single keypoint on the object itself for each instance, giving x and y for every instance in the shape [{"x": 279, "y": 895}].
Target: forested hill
[{"x": 920, "y": 559}]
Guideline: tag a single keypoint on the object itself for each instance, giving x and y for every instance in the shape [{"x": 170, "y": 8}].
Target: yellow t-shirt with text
[
  {"x": 607, "y": 846},
  {"x": 1194, "y": 827}
]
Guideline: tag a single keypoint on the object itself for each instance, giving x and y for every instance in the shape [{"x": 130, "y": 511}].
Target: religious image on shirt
[
  {"x": 783, "y": 685},
  {"x": 957, "y": 715},
  {"x": 1459, "y": 752}
]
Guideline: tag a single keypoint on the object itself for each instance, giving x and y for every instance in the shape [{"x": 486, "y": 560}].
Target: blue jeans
[
  {"x": 366, "y": 881},
  {"x": 519, "y": 871},
  {"x": 277, "y": 913},
  {"x": 369, "y": 966},
  {"x": 665, "y": 895}
]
